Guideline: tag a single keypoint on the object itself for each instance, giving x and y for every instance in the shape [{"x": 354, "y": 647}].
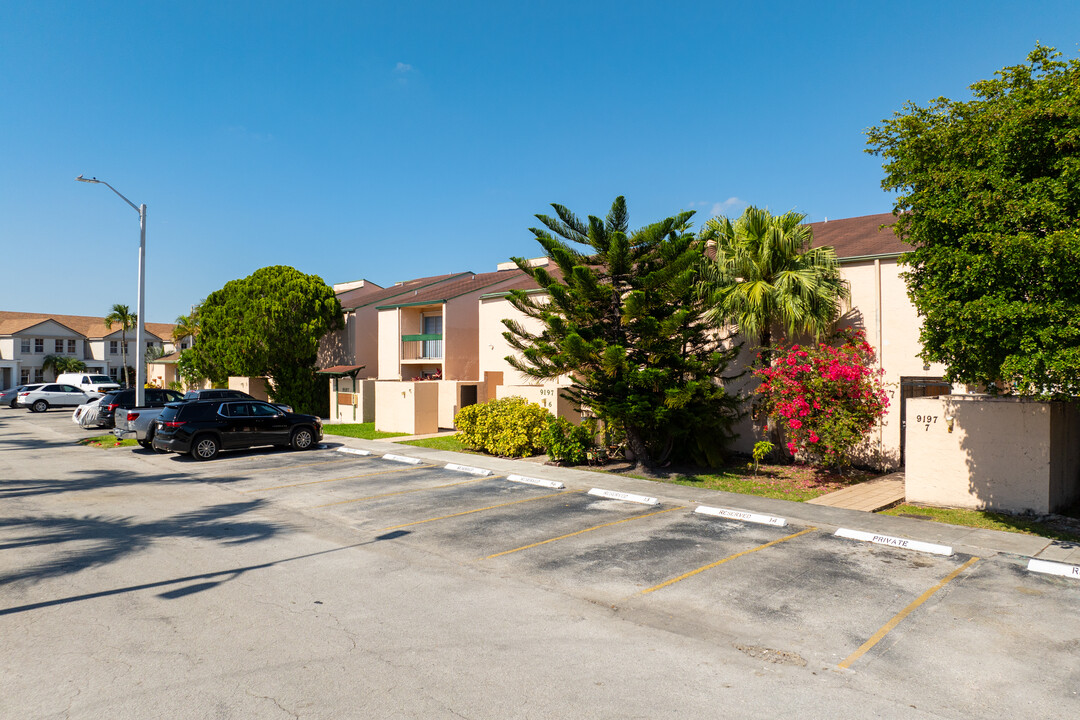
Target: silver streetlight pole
[{"x": 140, "y": 349}]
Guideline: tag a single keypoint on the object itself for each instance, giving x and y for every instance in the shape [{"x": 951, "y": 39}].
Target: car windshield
[{"x": 101, "y": 379}]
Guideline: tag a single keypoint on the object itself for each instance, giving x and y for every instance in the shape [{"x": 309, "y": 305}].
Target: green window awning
[{"x": 421, "y": 338}]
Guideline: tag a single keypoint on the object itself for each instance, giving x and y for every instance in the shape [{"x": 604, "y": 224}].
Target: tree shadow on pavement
[
  {"x": 74, "y": 544},
  {"x": 94, "y": 480}
]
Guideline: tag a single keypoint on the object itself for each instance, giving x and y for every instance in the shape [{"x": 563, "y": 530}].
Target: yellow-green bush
[{"x": 510, "y": 427}]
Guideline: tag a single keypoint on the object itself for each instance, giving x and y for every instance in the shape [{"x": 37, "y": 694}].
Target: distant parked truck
[{"x": 140, "y": 420}]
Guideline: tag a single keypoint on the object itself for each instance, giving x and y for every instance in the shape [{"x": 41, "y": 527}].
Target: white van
[{"x": 89, "y": 383}]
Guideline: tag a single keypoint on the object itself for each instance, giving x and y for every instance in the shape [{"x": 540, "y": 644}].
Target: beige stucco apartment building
[
  {"x": 450, "y": 327},
  {"x": 27, "y": 338}
]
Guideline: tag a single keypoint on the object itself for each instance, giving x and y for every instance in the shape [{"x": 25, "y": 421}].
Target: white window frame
[
  {"x": 24, "y": 347},
  {"x": 72, "y": 346},
  {"x": 39, "y": 346},
  {"x": 114, "y": 347}
]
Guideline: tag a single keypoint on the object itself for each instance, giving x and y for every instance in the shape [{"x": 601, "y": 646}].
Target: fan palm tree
[
  {"x": 122, "y": 315},
  {"x": 765, "y": 273},
  {"x": 62, "y": 364}
]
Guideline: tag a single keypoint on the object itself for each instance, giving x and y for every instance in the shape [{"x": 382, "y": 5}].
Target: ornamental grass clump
[
  {"x": 825, "y": 398},
  {"x": 510, "y": 427}
]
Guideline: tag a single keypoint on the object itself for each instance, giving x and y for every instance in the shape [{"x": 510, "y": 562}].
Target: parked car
[
  {"x": 43, "y": 397},
  {"x": 10, "y": 396},
  {"x": 204, "y": 427},
  {"x": 89, "y": 382},
  {"x": 226, "y": 394},
  {"x": 125, "y": 400}
]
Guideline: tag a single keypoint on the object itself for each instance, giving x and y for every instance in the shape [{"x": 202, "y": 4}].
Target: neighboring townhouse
[
  {"x": 433, "y": 333},
  {"x": 27, "y": 338}
]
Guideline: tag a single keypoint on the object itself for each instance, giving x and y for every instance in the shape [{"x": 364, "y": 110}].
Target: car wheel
[
  {"x": 145, "y": 444},
  {"x": 302, "y": 439},
  {"x": 205, "y": 447},
  {"x": 13, "y": 404},
  {"x": 39, "y": 406}
]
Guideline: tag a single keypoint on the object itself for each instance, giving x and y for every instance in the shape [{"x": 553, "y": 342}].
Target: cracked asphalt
[{"x": 270, "y": 584}]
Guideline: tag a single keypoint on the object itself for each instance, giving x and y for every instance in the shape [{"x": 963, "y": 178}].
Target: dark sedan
[{"x": 205, "y": 427}]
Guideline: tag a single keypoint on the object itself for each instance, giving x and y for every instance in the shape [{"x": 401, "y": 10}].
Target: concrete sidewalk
[{"x": 972, "y": 541}]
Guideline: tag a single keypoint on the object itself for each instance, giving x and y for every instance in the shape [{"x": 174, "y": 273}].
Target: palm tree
[
  {"x": 62, "y": 364},
  {"x": 765, "y": 273},
  {"x": 186, "y": 326},
  {"x": 122, "y": 314}
]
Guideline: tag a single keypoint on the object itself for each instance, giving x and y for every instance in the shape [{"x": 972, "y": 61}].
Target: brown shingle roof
[
  {"x": 354, "y": 299},
  {"x": 859, "y": 236},
  {"x": 88, "y": 326},
  {"x": 442, "y": 292}
]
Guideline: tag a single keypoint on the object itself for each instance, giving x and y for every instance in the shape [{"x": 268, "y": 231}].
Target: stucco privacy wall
[
  {"x": 978, "y": 452},
  {"x": 407, "y": 407},
  {"x": 256, "y": 387}
]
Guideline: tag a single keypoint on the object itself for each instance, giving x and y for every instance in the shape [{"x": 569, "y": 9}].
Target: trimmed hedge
[{"x": 510, "y": 427}]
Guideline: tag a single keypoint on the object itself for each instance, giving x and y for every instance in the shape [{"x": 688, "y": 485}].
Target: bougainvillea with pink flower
[{"x": 826, "y": 397}]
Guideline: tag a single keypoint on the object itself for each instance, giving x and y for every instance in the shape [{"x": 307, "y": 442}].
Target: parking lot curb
[{"x": 971, "y": 541}]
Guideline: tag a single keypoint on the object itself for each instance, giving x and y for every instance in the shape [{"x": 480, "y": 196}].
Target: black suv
[
  {"x": 225, "y": 394},
  {"x": 125, "y": 399},
  {"x": 203, "y": 427}
]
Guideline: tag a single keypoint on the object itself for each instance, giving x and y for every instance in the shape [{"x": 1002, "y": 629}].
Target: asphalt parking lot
[{"x": 778, "y": 614}]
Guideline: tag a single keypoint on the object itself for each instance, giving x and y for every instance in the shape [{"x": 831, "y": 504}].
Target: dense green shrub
[
  {"x": 568, "y": 443},
  {"x": 510, "y": 427}
]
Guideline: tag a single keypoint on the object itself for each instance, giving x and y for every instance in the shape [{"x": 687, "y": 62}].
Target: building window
[
  {"x": 183, "y": 346},
  {"x": 39, "y": 375},
  {"x": 114, "y": 347},
  {"x": 39, "y": 345},
  {"x": 24, "y": 377},
  {"x": 58, "y": 346},
  {"x": 149, "y": 345},
  {"x": 114, "y": 373},
  {"x": 24, "y": 345},
  {"x": 71, "y": 347},
  {"x": 433, "y": 326}
]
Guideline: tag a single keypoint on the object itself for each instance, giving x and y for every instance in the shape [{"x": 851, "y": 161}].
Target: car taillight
[
  {"x": 112, "y": 406},
  {"x": 131, "y": 416},
  {"x": 172, "y": 423}
]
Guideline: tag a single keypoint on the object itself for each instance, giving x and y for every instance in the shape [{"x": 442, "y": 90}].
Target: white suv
[{"x": 44, "y": 397}]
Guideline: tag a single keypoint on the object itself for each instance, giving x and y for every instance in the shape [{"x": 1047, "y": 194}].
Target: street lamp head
[{"x": 82, "y": 179}]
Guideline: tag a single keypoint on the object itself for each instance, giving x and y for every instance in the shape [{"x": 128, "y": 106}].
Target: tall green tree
[
  {"x": 621, "y": 318},
  {"x": 765, "y": 274},
  {"x": 122, "y": 315},
  {"x": 269, "y": 324},
  {"x": 988, "y": 195},
  {"x": 62, "y": 364}
]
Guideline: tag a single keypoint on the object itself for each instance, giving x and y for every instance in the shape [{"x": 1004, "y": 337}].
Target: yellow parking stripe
[
  {"x": 580, "y": 532},
  {"x": 887, "y": 627},
  {"x": 346, "y": 477},
  {"x": 718, "y": 563},
  {"x": 400, "y": 492},
  {"x": 469, "y": 512}
]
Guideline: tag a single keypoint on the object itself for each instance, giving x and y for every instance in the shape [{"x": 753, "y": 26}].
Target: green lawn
[
  {"x": 785, "y": 482},
  {"x": 108, "y": 441},
  {"x": 984, "y": 519},
  {"x": 449, "y": 442},
  {"x": 364, "y": 431}
]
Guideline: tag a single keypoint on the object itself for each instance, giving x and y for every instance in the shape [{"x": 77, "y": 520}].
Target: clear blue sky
[{"x": 400, "y": 139}]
